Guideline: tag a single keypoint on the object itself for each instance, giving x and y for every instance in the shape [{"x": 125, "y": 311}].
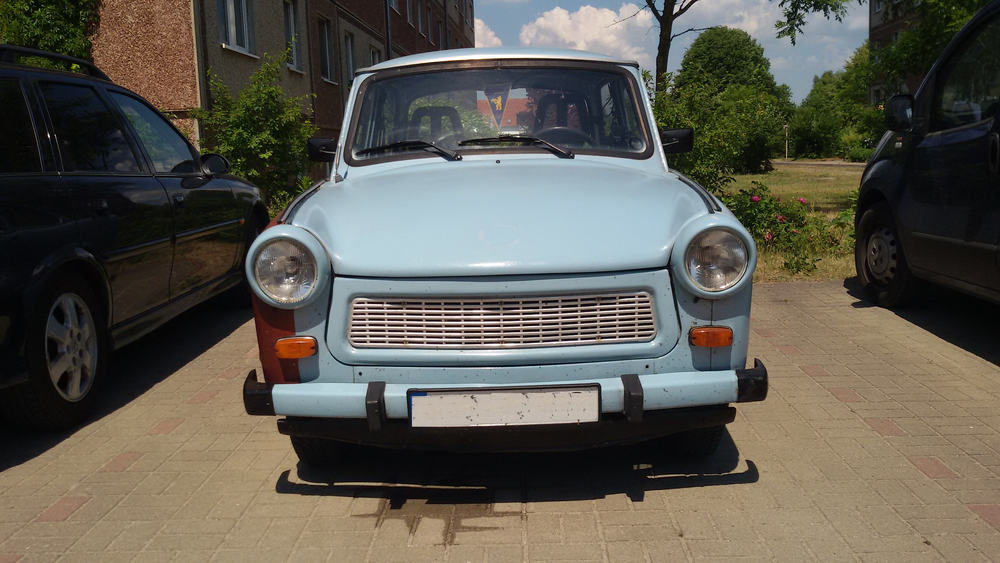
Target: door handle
[
  {"x": 179, "y": 199},
  {"x": 993, "y": 157}
]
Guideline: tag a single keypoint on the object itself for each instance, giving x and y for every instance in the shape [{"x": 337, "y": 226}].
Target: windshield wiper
[
  {"x": 556, "y": 149},
  {"x": 413, "y": 144}
]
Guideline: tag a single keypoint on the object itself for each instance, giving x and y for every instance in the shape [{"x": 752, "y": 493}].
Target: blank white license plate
[{"x": 504, "y": 407}]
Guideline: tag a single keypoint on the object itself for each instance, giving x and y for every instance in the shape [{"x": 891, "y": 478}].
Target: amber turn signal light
[
  {"x": 711, "y": 336},
  {"x": 295, "y": 347}
]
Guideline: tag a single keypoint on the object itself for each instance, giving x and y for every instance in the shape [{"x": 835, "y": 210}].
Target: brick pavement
[{"x": 879, "y": 441}]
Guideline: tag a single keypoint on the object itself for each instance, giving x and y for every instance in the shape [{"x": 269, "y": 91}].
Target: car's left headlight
[{"x": 716, "y": 259}]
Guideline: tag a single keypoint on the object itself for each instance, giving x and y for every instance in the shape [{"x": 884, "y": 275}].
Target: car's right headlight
[
  {"x": 287, "y": 267},
  {"x": 285, "y": 271}
]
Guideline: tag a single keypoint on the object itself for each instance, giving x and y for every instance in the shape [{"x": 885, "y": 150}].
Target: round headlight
[
  {"x": 285, "y": 271},
  {"x": 716, "y": 260}
]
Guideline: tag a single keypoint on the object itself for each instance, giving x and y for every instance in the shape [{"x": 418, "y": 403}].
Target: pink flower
[
  {"x": 796, "y": 231},
  {"x": 802, "y": 200},
  {"x": 768, "y": 237},
  {"x": 781, "y": 218},
  {"x": 755, "y": 198}
]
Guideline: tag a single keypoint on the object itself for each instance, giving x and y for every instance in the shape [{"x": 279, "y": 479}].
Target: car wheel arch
[{"x": 71, "y": 262}]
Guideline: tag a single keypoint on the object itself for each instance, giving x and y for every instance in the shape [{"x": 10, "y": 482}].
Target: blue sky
[{"x": 824, "y": 45}]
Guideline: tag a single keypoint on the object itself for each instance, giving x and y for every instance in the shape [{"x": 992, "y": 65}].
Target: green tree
[
  {"x": 930, "y": 25},
  {"x": 816, "y": 126},
  {"x": 61, "y": 26},
  {"x": 794, "y": 14},
  {"x": 723, "y": 56},
  {"x": 263, "y": 132}
]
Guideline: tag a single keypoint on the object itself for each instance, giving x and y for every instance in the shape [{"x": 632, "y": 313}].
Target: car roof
[{"x": 479, "y": 54}]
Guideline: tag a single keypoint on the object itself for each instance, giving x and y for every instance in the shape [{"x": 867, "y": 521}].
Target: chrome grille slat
[{"x": 495, "y": 323}]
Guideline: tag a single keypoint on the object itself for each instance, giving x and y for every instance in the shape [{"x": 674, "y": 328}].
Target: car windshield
[{"x": 561, "y": 111}]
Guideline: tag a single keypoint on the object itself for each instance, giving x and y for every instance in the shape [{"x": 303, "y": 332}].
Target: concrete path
[{"x": 879, "y": 442}]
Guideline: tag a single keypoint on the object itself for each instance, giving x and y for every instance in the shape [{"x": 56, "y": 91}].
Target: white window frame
[
  {"x": 409, "y": 13},
  {"x": 349, "y": 57},
  {"x": 232, "y": 19},
  {"x": 291, "y": 24},
  {"x": 420, "y": 18},
  {"x": 326, "y": 47}
]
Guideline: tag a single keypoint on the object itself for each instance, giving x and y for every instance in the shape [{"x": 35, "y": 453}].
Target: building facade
[
  {"x": 164, "y": 49},
  {"x": 886, "y": 21}
]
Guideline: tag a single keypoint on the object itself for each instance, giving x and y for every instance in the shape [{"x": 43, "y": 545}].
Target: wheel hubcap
[
  {"x": 881, "y": 256},
  {"x": 71, "y": 347}
]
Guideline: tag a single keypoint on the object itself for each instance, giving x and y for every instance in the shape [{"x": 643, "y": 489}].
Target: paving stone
[{"x": 879, "y": 441}]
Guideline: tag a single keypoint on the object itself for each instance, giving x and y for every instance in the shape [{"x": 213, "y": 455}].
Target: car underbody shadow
[
  {"x": 962, "y": 320},
  {"x": 475, "y": 478},
  {"x": 135, "y": 369}
]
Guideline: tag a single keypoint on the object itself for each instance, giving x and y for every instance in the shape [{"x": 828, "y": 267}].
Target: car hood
[{"x": 482, "y": 218}]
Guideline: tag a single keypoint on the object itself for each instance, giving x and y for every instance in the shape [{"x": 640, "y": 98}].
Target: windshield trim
[{"x": 389, "y": 73}]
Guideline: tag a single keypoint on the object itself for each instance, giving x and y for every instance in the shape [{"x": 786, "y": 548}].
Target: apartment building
[
  {"x": 886, "y": 20},
  {"x": 163, "y": 49}
]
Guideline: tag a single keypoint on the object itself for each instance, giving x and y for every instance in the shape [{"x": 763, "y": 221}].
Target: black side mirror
[
  {"x": 676, "y": 141},
  {"x": 214, "y": 164},
  {"x": 899, "y": 113},
  {"x": 322, "y": 149}
]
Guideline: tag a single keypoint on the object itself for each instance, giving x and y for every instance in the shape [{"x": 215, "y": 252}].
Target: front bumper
[{"x": 378, "y": 413}]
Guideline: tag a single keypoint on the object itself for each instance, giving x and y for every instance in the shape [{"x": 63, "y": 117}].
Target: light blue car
[{"x": 502, "y": 259}]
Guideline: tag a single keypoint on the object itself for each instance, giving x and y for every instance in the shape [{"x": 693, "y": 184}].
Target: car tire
[
  {"x": 697, "y": 443},
  {"x": 66, "y": 353},
  {"x": 317, "y": 452},
  {"x": 879, "y": 260}
]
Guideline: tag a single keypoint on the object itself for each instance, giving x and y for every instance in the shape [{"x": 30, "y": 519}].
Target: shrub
[
  {"x": 790, "y": 227},
  {"x": 736, "y": 130},
  {"x": 263, "y": 132}
]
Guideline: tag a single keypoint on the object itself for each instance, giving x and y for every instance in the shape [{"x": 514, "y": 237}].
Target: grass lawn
[{"x": 827, "y": 189}]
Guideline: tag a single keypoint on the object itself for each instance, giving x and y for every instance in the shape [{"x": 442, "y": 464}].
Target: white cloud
[
  {"x": 594, "y": 29},
  {"x": 485, "y": 36}
]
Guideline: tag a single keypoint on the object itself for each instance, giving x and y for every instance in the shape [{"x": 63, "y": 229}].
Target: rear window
[
  {"x": 18, "y": 145},
  {"x": 90, "y": 137}
]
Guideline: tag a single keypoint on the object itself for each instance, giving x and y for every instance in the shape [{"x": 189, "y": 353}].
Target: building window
[
  {"x": 395, "y": 5},
  {"x": 236, "y": 24},
  {"x": 349, "y": 57},
  {"x": 409, "y": 12},
  {"x": 325, "y": 49},
  {"x": 375, "y": 55},
  {"x": 430, "y": 30},
  {"x": 877, "y": 5},
  {"x": 420, "y": 16},
  {"x": 292, "y": 35},
  {"x": 441, "y": 35},
  {"x": 468, "y": 12}
]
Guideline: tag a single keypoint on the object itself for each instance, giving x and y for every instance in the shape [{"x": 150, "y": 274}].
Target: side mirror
[
  {"x": 899, "y": 113},
  {"x": 214, "y": 164},
  {"x": 322, "y": 149},
  {"x": 676, "y": 141}
]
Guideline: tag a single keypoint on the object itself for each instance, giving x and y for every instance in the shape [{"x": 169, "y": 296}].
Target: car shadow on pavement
[
  {"x": 136, "y": 368},
  {"x": 475, "y": 478},
  {"x": 963, "y": 320}
]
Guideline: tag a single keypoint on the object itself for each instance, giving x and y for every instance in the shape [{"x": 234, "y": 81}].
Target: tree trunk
[{"x": 663, "y": 46}]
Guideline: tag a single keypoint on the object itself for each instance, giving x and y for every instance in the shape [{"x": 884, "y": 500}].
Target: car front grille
[{"x": 501, "y": 322}]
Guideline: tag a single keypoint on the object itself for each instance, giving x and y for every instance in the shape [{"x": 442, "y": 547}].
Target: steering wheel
[
  {"x": 560, "y": 134},
  {"x": 450, "y": 139}
]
